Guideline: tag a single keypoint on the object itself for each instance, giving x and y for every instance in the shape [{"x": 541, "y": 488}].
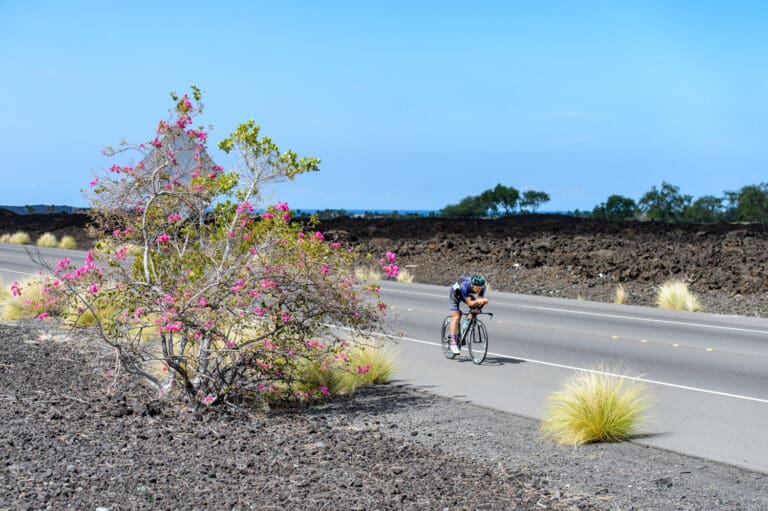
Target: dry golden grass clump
[
  {"x": 371, "y": 274},
  {"x": 675, "y": 295},
  {"x": 134, "y": 250},
  {"x": 29, "y": 301},
  {"x": 68, "y": 242},
  {"x": 368, "y": 363},
  {"x": 47, "y": 240},
  {"x": 18, "y": 238},
  {"x": 5, "y": 292},
  {"x": 620, "y": 295},
  {"x": 372, "y": 363},
  {"x": 368, "y": 274},
  {"x": 404, "y": 276},
  {"x": 595, "y": 406}
]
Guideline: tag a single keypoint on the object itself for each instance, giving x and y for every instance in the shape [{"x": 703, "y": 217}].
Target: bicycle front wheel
[
  {"x": 445, "y": 343},
  {"x": 478, "y": 342}
]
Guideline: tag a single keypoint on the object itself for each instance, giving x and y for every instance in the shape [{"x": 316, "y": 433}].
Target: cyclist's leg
[{"x": 453, "y": 307}]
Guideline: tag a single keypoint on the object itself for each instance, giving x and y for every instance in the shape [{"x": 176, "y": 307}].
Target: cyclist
[{"x": 470, "y": 290}]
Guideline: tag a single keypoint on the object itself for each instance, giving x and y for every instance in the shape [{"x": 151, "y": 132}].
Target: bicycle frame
[
  {"x": 474, "y": 335},
  {"x": 472, "y": 322}
]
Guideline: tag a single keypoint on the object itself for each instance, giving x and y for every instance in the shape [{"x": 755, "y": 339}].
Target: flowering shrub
[
  {"x": 389, "y": 267},
  {"x": 384, "y": 269},
  {"x": 229, "y": 303}
]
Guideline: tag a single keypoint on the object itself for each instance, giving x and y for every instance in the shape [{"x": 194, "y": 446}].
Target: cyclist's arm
[{"x": 475, "y": 302}]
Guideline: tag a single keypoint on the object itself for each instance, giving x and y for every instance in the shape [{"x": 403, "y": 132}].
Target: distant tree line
[
  {"x": 667, "y": 204},
  {"x": 663, "y": 204},
  {"x": 501, "y": 200}
]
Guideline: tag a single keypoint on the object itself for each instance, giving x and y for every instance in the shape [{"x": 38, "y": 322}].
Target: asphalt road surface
[{"x": 707, "y": 375}]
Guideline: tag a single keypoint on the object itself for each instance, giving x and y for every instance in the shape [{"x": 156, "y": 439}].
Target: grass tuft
[
  {"x": 30, "y": 304},
  {"x": 594, "y": 406},
  {"x": 20, "y": 238},
  {"x": 367, "y": 274},
  {"x": 405, "y": 276},
  {"x": 372, "y": 363},
  {"x": 47, "y": 240},
  {"x": 5, "y": 292},
  {"x": 368, "y": 362},
  {"x": 620, "y": 295},
  {"x": 675, "y": 295},
  {"x": 68, "y": 242},
  {"x": 327, "y": 374},
  {"x": 134, "y": 250},
  {"x": 5, "y": 238}
]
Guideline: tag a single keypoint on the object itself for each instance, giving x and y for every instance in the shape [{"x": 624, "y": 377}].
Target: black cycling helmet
[{"x": 477, "y": 280}]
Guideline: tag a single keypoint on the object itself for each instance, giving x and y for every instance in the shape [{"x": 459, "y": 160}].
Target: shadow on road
[{"x": 493, "y": 361}]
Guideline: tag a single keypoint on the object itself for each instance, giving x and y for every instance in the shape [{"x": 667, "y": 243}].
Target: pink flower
[
  {"x": 42, "y": 316},
  {"x": 94, "y": 181},
  {"x": 319, "y": 235},
  {"x": 173, "y": 326},
  {"x": 325, "y": 269},
  {"x": 63, "y": 263},
  {"x": 244, "y": 208},
  {"x": 392, "y": 270},
  {"x": 174, "y": 218},
  {"x": 267, "y": 283},
  {"x": 336, "y": 245},
  {"x": 282, "y": 206},
  {"x": 209, "y": 400},
  {"x": 268, "y": 216},
  {"x": 163, "y": 238},
  {"x": 324, "y": 390},
  {"x": 93, "y": 289}
]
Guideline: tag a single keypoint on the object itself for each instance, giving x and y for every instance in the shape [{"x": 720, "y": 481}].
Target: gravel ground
[{"x": 71, "y": 438}]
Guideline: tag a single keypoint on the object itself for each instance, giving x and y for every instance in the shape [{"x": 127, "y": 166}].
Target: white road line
[
  {"x": 19, "y": 272},
  {"x": 573, "y": 368},
  {"x": 606, "y": 315}
]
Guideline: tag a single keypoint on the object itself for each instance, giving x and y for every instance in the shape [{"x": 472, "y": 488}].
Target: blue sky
[{"x": 410, "y": 105}]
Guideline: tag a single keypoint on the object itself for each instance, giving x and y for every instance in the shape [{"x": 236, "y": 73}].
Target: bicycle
[{"x": 472, "y": 333}]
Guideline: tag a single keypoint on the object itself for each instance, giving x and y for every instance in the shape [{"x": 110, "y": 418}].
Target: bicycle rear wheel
[
  {"x": 445, "y": 343},
  {"x": 478, "y": 342}
]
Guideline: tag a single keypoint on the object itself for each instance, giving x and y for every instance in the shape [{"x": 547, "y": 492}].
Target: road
[
  {"x": 16, "y": 264},
  {"x": 707, "y": 374}
]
